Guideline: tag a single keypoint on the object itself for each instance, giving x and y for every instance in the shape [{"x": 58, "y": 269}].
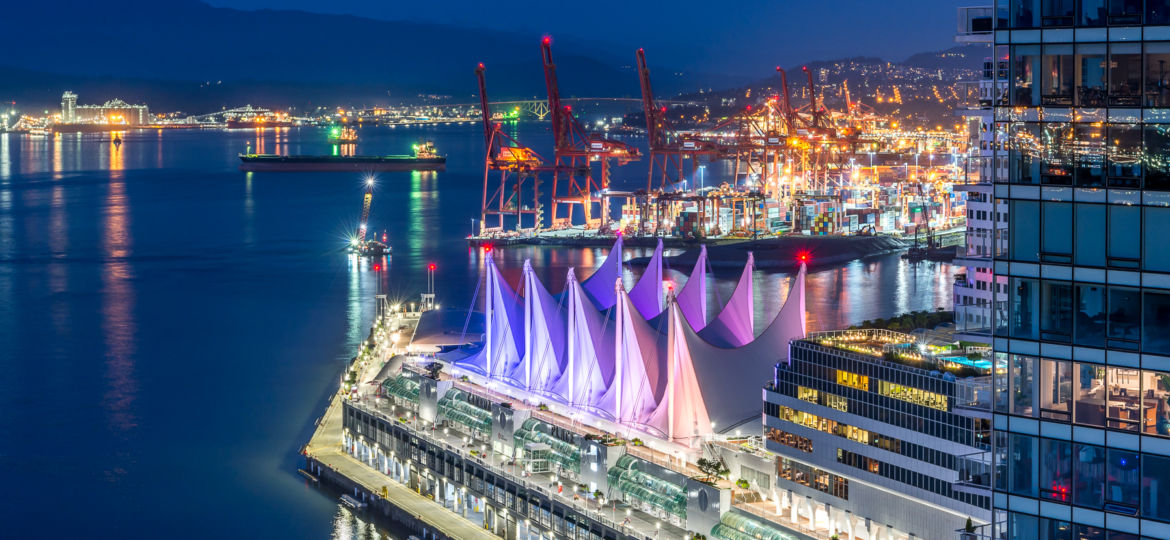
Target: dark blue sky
[{"x": 740, "y": 35}]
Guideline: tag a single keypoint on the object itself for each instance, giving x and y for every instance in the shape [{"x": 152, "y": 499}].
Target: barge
[{"x": 424, "y": 159}]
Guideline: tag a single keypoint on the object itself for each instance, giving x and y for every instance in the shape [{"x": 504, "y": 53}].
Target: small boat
[
  {"x": 342, "y": 135},
  {"x": 352, "y": 502},
  {"x": 117, "y": 141}
]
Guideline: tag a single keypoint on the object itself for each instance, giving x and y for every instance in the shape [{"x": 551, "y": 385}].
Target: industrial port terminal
[{"x": 774, "y": 168}]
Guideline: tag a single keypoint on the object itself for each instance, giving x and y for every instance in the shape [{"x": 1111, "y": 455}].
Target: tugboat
[{"x": 342, "y": 135}]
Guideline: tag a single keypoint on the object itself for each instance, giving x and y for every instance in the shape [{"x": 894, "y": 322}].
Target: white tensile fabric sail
[
  {"x": 544, "y": 337},
  {"x": 692, "y": 299},
  {"x": 682, "y": 412},
  {"x": 647, "y": 292},
  {"x": 503, "y": 318},
  {"x": 639, "y": 372},
  {"x": 589, "y": 367},
  {"x": 599, "y": 286},
  {"x": 734, "y": 326},
  {"x": 725, "y": 373}
]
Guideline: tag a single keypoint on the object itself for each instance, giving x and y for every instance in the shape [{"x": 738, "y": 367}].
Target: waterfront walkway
[{"x": 325, "y": 447}]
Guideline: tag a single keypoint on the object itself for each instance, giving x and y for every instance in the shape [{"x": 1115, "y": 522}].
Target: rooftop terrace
[{"x": 907, "y": 350}]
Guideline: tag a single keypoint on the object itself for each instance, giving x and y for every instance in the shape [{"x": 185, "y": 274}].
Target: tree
[
  {"x": 970, "y": 527},
  {"x": 712, "y": 468}
]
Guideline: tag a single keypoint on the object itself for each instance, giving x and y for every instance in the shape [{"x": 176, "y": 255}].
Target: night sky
[{"x": 702, "y": 34}]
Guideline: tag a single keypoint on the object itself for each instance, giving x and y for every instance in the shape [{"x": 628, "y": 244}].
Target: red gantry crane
[
  {"x": 667, "y": 151},
  {"x": 517, "y": 165},
  {"x": 574, "y": 150}
]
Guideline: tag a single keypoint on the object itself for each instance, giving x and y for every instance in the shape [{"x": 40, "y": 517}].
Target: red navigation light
[
  {"x": 749, "y": 107},
  {"x": 777, "y": 68},
  {"x": 641, "y": 49},
  {"x": 803, "y": 257},
  {"x": 568, "y": 108},
  {"x": 431, "y": 267},
  {"x": 481, "y": 65},
  {"x": 669, "y": 285},
  {"x": 377, "y": 268},
  {"x": 487, "y": 248},
  {"x": 547, "y": 40}
]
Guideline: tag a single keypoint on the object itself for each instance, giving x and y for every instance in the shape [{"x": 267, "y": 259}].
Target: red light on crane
[
  {"x": 547, "y": 40},
  {"x": 431, "y": 267},
  {"x": 377, "y": 268}
]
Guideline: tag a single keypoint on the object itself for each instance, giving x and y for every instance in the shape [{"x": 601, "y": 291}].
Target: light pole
[{"x": 702, "y": 175}]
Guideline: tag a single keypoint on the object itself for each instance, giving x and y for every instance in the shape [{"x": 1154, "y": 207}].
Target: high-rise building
[
  {"x": 68, "y": 108},
  {"x": 1081, "y": 342},
  {"x": 880, "y": 427}
]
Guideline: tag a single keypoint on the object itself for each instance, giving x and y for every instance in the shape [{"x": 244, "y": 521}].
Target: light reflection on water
[
  {"x": 877, "y": 287},
  {"x": 166, "y": 283}
]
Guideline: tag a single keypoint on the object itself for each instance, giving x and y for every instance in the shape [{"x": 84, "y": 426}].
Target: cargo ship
[
  {"x": 257, "y": 123},
  {"x": 424, "y": 159}
]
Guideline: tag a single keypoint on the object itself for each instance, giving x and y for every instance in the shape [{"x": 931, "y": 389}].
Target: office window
[
  {"x": 1085, "y": 146},
  {"x": 1025, "y": 304},
  {"x": 1053, "y": 529},
  {"x": 1090, "y": 315},
  {"x": 1089, "y": 237},
  {"x": 1125, "y": 74},
  {"x": 1055, "y": 397},
  {"x": 1124, "y": 238},
  {"x": 1022, "y": 464},
  {"x": 1157, "y": 155},
  {"x": 1025, "y": 65},
  {"x": 1057, "y": 12},
  {"x": 1024, "y": 14},
  {"x": 1024, "y": 230},
  {"x": 1125, "y": 12},
  {"x": 1089, "y": 475},
  {"x": 1089, "y": 394},
  {"x": 1123, "y": 150},
  {"x": 1156, "y": 321},
  {"x": 1124, "y": 328},
  {"x": 1155, "y": 255},
  {"x": 1021, "y": 525},
  {"x": 1023, "y": 373},
  {"x": 1091, "y": 74},
  {"x": 1058, "y": 74},
  {"x": 1056, "y": 304},
  {"x": 1023, "y": 153},
  {"x": 1092, "y": 13},
  {"x": 1124, "y": 478},
  {"x": 1156, "y": 486},
  {"x": 1157, "y": 11},
  {"x": 1157, "y": 59},
  {"x": 1056, "y": 242},
  {"x": 1124, "y": 406},
  {"x": 1056, "y": 470}
]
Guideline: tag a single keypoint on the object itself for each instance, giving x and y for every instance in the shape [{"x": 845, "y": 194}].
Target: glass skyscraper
[{"x": 1082, "y": 338}]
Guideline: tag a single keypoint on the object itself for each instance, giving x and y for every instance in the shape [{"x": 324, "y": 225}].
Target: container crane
[
  {"x": 667, "y": 153},
  {"x": 574, "y": 150},
  {"x": 516, "y": 165}
]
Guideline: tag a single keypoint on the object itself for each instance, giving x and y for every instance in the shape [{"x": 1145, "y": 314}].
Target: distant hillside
[{"x": 191, "y": 41}]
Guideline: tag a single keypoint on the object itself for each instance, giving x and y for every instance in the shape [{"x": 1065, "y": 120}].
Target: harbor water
[{"x": 171, "y": 327}]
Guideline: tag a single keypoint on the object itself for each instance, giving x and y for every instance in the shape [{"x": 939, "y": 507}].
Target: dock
[{"x": 327, "y": 462}]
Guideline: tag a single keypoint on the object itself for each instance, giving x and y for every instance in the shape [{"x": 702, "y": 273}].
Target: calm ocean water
[{"x": 171, "y": 327}]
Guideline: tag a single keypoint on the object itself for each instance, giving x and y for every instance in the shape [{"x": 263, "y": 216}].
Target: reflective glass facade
[{"x": 1081, "y": 408}]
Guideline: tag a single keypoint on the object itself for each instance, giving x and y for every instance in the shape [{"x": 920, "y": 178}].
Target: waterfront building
[
  {"x": 883, "y": 427},
  {"x": 1082, "y": 341},
  {"x": 68, "y": 107},
  {"x": 114, "y": 111},
  {"x": 584, "y": 415}
]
